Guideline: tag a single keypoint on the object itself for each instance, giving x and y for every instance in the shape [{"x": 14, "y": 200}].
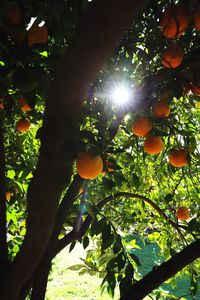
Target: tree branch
[
  {"x": 165, "y": 271},
  {"x": 71, "y": 236},
  {"x": 95, "y": 40}
]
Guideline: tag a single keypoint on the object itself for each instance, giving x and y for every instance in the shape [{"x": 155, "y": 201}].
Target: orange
[
  {"x": 197, "y": 18},
  {"x": 37, "y": 35},
  {"x": 160, "y": 109},
  {"x": 1, "y": 105},
  {"x": 153, "y": 144},
  {"x": 174, "y": 21},
  {"x": 88, "y": 165},
  {"x": 22, "y": 103},
  {"x": 183, "y": 213},
  {"x": 8, "y": 196},
  {"x": 178, "y": 157},
  {"x": 195, "y": 88},
  {"x": 141, "y": 126},
  {"x": 172, "y": 56},
  {"x": 23, "y": 125}
]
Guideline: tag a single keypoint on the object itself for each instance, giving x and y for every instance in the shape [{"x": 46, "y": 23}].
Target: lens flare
[{"x": 121, "y": 95}]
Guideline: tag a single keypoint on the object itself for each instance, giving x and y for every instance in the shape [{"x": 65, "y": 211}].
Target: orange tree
[{"x": 60, "y": 63}]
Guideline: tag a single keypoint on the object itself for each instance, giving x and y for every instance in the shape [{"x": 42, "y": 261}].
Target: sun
[{"x": 120, "y": 95}]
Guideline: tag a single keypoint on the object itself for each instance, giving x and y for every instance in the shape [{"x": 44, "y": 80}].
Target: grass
[{"x": 66, "y": 284}]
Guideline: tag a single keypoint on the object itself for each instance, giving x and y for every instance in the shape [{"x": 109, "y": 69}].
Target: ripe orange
[
  {"x": 23, "y": 125},
  {"x": 195, "y": 88},
  {"x": 22, "y": 103},
  {"x": 8, "y": 196},
  {"x": 89, "y": 166},
  {"x": 37, "y": 35},
  {"x": 141, "y": 126},
  {"x": 174, "y": 21},
  {"x": 1, "y": 105},
  {"x": 183, "y": 213},
  {"x": 178, "y": 157},
  {"x": 172, "y": 56},
  {"x": 197, "y": 17},
  {"x": 153, "y": 144},
  {"x": 160, "y": 109}
]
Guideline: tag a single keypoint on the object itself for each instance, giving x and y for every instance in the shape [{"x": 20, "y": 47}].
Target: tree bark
[{"x": 100, "y": 30}]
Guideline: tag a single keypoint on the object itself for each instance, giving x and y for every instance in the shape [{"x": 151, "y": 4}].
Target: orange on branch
[
  {"x": 23, "y": 125},
  {"x": 8, "y": 196},
  {"x": 89, "y": 166},
  {"x": 37, "y": 35},
  {"x": 178, "y": 157},
  {"x": 197, "y": 17},
  {"x": 141, "y": 126},
  {"x": 183, "y": 213},
  {"x": 23, "y": 105},
  {"x": 195, "y": 88},
  {"x": 1, "y": 105},
  {"x": 153, "y": 144},
  {"x": 172, "y": 56},
  {"x": 160, "y": 109},
  {"x": 174, "y": 21}
]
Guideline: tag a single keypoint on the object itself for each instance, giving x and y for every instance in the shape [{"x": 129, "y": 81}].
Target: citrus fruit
[
  {"x": 172, "y": 56},
  {"x": 195, "y": 88},
  {"x": 8, "y": 196},
  {"x": 183, "y": 213},
  {"x": 160, "y": 109},
  {"x": 178, "y": 157},
  {"x": 37, "y": 35},
  {"x": 1, "y": 105},
  {"x": 23, "y": 125},
  {"x": 174, "y": 21},
  {"x": 89, "y": 166},
  {"x": 153, "y": 144},
  {"x": 23, "y": 105},
  {"x": 141, "y": 126}
]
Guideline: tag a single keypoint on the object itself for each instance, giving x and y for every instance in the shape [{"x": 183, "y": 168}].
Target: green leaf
[
  {"x": 76, "y": 267},
  {"x": 129, "y": 271},
  {"x": 169, "y": 197},
  {"x": 135, "y": 180},
  {"x": 86, "y": 242},
  {"x": 97, "y": 226},
  {"x": 107, "y": 242},
  {"x": 117, "y": 244},
  {"x": 108, "y": 184},
  {"x": 135, "y": 258},
  {"x": 73, "y": 244},
  {"x": 193, "y": 225},
  {"x": 121, "y": 260}
]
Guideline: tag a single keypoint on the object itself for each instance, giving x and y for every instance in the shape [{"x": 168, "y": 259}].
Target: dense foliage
[{"x": 136, "y": 192}]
